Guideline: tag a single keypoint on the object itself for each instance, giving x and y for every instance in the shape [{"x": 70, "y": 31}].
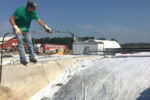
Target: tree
[{"x": 64, "y": 41}]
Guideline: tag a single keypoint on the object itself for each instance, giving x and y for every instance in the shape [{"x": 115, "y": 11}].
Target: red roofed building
[
  {"x": 10, "y": 43},
  {"x": 53, "y": 47}
]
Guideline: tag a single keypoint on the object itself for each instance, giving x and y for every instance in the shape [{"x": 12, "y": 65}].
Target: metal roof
[{"x": 6, "y": 39}]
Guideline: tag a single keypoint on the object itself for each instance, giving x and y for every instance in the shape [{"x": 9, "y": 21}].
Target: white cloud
[
  {"x": 5, "y": 27},
  {"x": 124, "y": 34},
  {"x": 117, "y": 30},
  {"x": 109, "y": 29},
  {"x": 88, "y": 26}
]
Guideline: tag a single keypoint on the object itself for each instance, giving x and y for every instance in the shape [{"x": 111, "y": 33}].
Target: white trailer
[
  {"x": 93, "y": 46},
  {"x": 80, "y": 48}
]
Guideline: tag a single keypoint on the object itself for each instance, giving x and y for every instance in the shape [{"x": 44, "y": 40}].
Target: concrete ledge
[{"x": 26, "y": 81}]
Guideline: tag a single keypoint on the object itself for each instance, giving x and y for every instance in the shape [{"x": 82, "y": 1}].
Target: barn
[
  {"x": 10, "y": 43},
  {"x": 53, "y": 48}
]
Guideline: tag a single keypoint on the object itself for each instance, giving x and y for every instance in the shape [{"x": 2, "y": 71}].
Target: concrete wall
[{"x": 26, "y": 81}]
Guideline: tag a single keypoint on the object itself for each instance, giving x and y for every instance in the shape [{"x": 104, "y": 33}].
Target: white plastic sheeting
[
  {"x": 15, "y": 58},
  {"x": 102, "y": 79}
]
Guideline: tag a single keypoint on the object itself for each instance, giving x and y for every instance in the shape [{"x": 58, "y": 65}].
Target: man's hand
[
  {"x": 17, "y": 30},
  {"x": 47, "y": 29}
]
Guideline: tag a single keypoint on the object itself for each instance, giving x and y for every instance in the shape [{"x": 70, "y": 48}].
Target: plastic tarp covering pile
[{"x": 103, "y": 79}]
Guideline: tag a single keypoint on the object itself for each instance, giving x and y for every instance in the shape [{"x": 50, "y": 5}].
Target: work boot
[
  {"x": 33, "y": 60},
  {"x": 24, "y": 62}
]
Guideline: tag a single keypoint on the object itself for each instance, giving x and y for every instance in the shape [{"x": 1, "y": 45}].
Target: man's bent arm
[
  {"x": 12, "y": 20},
  {"x": 41, "y": 22},
  {"x": 16, "y": 28},
  {"x": 46, "y": 28}
]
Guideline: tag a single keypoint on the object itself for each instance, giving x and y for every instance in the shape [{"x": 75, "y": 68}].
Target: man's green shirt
[{"x": 23, "y": 18}]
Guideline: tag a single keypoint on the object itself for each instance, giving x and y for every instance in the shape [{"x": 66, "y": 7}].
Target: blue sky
[{"x": 125, "y": 20}]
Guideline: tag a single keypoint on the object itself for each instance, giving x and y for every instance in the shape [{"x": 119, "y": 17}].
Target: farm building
[
  {"x": 10, "y": 43},
  {"x": 93, "y": 46},
  {"x": 54, "y": 48}
]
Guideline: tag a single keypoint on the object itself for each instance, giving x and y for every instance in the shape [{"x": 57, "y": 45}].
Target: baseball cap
[{"x": 32, "y": 4}]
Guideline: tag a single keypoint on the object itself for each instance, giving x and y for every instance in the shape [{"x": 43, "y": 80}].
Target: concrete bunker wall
[{"x": 24, "y": 82}]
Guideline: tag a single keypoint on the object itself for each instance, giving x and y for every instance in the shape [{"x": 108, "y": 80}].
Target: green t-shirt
[{"x": 23, "y": 18}]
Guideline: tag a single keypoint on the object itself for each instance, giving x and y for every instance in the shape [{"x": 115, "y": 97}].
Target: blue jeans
[{"x": 21, "y": 48}]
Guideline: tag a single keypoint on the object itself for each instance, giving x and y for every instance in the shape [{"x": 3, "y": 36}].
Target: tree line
[
  {"x": 136, "y": 45},
  {"x": 64, "y": 41},
  {"x": 69, "y": 41}
]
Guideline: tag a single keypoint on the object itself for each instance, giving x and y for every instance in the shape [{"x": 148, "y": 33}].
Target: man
[{"x": 20, "y": 21}]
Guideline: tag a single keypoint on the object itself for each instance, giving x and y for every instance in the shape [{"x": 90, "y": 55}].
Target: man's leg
[
  {"x": 30, "y": 47},
  {"x": 21, "y": 49}
]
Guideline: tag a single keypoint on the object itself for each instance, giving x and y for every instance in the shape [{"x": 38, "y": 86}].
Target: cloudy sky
[{"x": 125, "y": 20}]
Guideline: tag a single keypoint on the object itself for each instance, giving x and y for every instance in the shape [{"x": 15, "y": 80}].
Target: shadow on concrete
[{"x": 145, "y": 95}]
